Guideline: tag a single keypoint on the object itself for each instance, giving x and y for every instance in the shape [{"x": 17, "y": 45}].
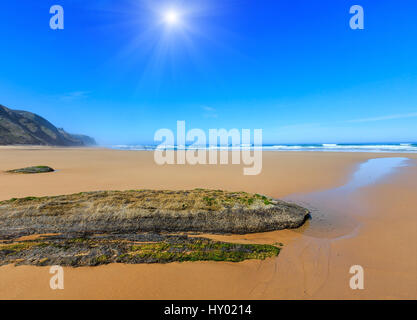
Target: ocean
[{"x": 325, "y": 147}]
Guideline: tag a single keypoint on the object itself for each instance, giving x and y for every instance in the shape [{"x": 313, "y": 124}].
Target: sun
[{"x": 172, "y": 17}]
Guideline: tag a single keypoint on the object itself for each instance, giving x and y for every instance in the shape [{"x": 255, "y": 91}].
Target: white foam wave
[{"x": 326, "y": 147}]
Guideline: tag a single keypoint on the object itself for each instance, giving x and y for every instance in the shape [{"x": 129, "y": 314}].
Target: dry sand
[{"x": 380, "y": 233}]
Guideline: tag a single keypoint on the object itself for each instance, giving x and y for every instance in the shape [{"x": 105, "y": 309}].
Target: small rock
[{"x": 30, "y": 170}]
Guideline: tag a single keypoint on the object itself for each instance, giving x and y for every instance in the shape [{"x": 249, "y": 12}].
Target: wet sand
[{"x": 374, "y": 226}]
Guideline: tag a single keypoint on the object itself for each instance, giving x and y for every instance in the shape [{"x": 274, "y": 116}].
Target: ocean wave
[{"x": 325, "y": 147}]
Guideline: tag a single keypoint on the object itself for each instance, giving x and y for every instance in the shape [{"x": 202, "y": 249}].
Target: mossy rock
[
  {"x": 150, "y": 210},
  {"x": 31, "y": 170},
  {"x": 95, "y": 250}
]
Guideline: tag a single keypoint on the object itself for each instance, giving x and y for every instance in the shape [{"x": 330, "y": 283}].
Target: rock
[
  {"x": 77, "y": 250},
  {"x": 30, "y": 170},
  {"x": 149, "y": 211}
]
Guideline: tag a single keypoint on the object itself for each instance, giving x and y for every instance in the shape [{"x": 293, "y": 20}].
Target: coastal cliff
[{"x": 25, "y": 128}]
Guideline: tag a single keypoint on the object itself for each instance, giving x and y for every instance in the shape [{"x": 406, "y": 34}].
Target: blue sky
[{"x": 293, "y": 68}]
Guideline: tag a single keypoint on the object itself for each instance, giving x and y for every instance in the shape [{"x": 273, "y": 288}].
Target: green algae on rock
[
  {"x": 139, "y": 226},
  {"x": 31, "y": 170},
  {"x": 199, "y": 210},
  {"x": 93, "y": 250}
]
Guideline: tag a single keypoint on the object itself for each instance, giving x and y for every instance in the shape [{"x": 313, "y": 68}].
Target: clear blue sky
[{"x": 291, "y": 67}]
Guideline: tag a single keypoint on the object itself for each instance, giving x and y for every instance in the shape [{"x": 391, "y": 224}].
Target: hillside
[{"x": 25, "y": 128}]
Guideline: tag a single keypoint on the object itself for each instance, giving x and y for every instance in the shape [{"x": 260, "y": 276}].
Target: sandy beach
[{"x": 374, "y": 226}]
